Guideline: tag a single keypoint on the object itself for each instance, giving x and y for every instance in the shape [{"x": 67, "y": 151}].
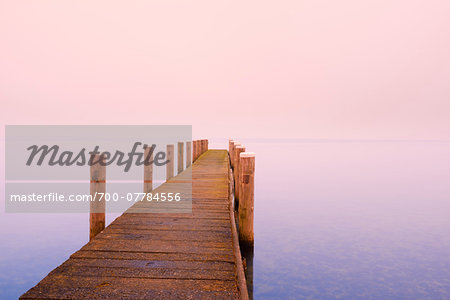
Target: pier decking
[{"x": 161, "y": 256}]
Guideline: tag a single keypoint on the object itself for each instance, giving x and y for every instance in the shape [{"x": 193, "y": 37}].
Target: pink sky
[{"x": 300, "y": 69}]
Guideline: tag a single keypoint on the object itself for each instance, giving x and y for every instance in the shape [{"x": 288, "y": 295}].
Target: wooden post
[
  {"x": 180, "y": 157},
  {"x": 232, "y": 155},
  {"x": 197, "y": 154},
  {"x": 230, "y": 149},
  {"x": 170, "y": 163},
  {"x": 237, "y": 151},
  {"x": 233, "y": 162},
  {"x": 199, "y": 150},
  {"x": 246, "y": 197},
  {"x": 194, "y": 150},
  {"x": 202, "y": 146},
  {"x": 235, "y": 169},
  {"x": 97, "y": 205},
  {"x": 235, "y": 157},
  {"x": 188, "y": 154},
  {"x": 148, "y": 170}
]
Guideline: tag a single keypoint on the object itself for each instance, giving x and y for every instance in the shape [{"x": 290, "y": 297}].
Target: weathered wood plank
[
  {"x": 126, "y": 255},
  {"x": 121, "y": 234},
  {"x": 146, "y": 264},
  {"x": 70, "y": 268},
  {"x": 80, "y": 287},
  {"x": 158, "y": 246}
]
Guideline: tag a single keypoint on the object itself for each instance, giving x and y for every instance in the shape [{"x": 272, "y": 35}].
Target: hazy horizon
[{"x": 292, "y": 69}]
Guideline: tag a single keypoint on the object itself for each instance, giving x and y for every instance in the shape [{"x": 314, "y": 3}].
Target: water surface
[{"x": 333, "y": 219}]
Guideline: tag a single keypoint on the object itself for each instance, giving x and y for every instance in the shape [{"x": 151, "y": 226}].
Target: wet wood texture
[{"x": 159, "y": 256}]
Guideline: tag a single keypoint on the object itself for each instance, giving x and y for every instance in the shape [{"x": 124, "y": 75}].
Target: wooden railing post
[
  {"x": 196, "y": 149},
  {"x": 237, "y": 151},
  {"x": 97, "y": 205},
  {"x": 202, "y": 147},
  {"x": 246, "y": 197},
  {"x": 230, "y": 150},
  {"x": 170, "y": 163},
  {"x": 235, "y": 169},
  {"x": 235, "y": 155},
  {"x": 180, "y": 157},
  {"x": 188, "y": 154},
  {"x": 232, "y": 154},
  {"x": 148, "y": 169}
]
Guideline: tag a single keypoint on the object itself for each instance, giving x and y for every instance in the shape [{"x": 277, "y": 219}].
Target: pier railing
[{"x": 242, "y": 164}]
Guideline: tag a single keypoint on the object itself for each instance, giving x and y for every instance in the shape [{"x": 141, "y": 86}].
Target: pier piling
[
  {"x": 148, "y": 170},
  {"x": 180, "y": 157},
  {"x": 246, "y": 197},
  {"x": 188, "y": 154},
  {"x": 170, "y": 163},
  {"x": 97, "y": 205}
]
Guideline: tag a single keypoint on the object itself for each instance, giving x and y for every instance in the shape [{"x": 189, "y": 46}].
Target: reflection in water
[{"x": 247, "y": 254}]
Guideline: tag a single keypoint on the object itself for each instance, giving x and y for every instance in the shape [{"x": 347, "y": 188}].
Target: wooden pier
[{"x": 162, "y": 256}]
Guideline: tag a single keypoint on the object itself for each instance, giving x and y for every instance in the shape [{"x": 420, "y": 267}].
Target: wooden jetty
[{"x": 162, "y": 256}]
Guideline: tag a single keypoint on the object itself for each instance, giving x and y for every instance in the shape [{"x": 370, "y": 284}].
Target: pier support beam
[
  {"x": 230, "y": 150},
  {"x": 180, "y": 157},
  {"x": 232, "y": 154},
  {"x": 194, "y": 150},
  {"x": 148, "y": 170},
  {"x": 97, "y": 205},
  {"x": 206, "y": 145},
  {"x": 170, "y": 162},
  {"x": 188, "y": 154},
  {"x": 237, "y": 151},
  {"x": 246, "y": 197}
]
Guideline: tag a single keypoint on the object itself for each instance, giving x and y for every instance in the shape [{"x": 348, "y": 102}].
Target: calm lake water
[{"x": 333, "y": 219}]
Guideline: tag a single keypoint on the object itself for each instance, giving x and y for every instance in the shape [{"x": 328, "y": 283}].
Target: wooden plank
[
  {"x": 92, "y": 269},
  {"x": 161, "y": 235},
  {"x": 155, "y": 264},
  {"x": 160, "y": 256},
  {"x": 80, "y": 287},
  {"x": 125, "y": 255},
  {"x": 159, "y": 246}
]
